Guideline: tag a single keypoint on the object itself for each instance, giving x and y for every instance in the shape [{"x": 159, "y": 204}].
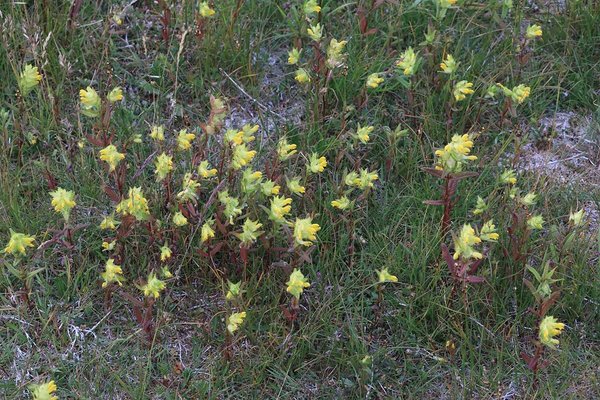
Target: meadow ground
[{"x": 426, "y": 332}]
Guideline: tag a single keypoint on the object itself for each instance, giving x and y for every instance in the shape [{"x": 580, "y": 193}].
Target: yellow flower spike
[
  {"x": 248, "y": 132},
  {"x": 577, "y": 218},
  {"x": 207, "y": 232},
  {"x": 269, "y": 188},
  {"x": 242, "y": 156},
  {"x": 480, "y": 207},
  {"x": 285, "y": 150},
  {"x": 463, "y": 244},
  {"x": 305, "y": 232},
  {"x": 184, "y": 139},
  {"x": 533, "y": 31},
  {"x": 311, "y": 7},
  {"x": 234, "y": 137},
  {"x": 462, "y": 89},
  {"x": 108, "y": 246},
  {"x": 316, "y": 164},
  {"x": 153, "y": 286},
  {"x": 233, "y": 290},
  {"x": 205, "y": 10},
  {"x": 165, "y": 253},
  {"x": 18, "y": 243},
  {"x": 164, "y": 166},
  {"x": 455, "y": 154},
  {"x": 315, "y": 32},
  {"x": 488, "y": 232},
  {"x": 28, "y": 79},
  {"x": 179, "y": 219},
  {"x": 111, "y": 155},
  {"x": 165, "y": 272},
  {"x": 115, "y": 95},
  {"x": 63, "y": 201},
  {"x": 520, "y": 93},
  {"x": 549, "y": 328},
  {"x": 189, "y": 189},
  {"x": 385, "y": 276},
  {"x": 250, "y": 232},
  {"x": 335, "y": 56},
  {"x": 294, "y": 56},
  {"x": 280, "y": 207},
  {"x": 449, "y": 65},
  {"x": 294, "y": 186},
  {"x": 362, "y": 133},
  {"x": 374, "y": 80},
  {"x": 109, "y": 222},
  {"x": 157, "y": 132},
  {"x": 112, "y": 274},
  {"x": 508, "y": 177},
  {"x": 352, "y": 179},
  {"x": 297, "y": 283},
  {"x": 136, "y": 205},
  {"x": 302, "y": 76},
  {"x": 44, "y": 391},
  {"x": 366, "y": 179},
  {"x": 529, "y": 199},
  {"x": 535, "y": 222},
  {"x": 231, "y": 204},
  {"x": 89, "y": 102},
  {"x": 234, "y": 321},
  {"x": 407, "y": 62},
  {"x": 205, "y": 171},
  {"x": 342, "y": 203}
]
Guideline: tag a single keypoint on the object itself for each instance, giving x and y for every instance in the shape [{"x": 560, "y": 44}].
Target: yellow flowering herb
[
  {"x": 63, "y": 201},
  {"x": 280, "y": 207},
  {"x": 250, "y": 232},
  {"x": 297, "y": 283},
  {"x": 549, "y": 328},
  {"x": 111, "y": 155},
  {"x": 108, "y": 246},
  {"x": 248, "y": 132},
  {"x": 18, "y": 243},
  {"x": 533, "y": 31},
  {"x": 449, "y": 65},
  {"x": 462, "y": 89},
  {"x": 518, "y": 94},
  {"x": 285, "y": 150},
  {"x": 577, "y": 218},
  {"x": 189, "y": 189},
  {"x": 205, "y": 171},
  {"x": 231, "y": 204},
  {"x": 362, "y": 133},
  {"x": 234, "y": 137},
  {"x": 535, "y": 222},
  {"x": 165, "y": 272},
  {"x": 112, "y": 274},
  {"x": 234, "y": 321},
  {"x": 153, "y": 286},
  {"x": 302, "y": 76},
  {"x": 488, "y": 232},
  {"x": 136, "y": 205},
  {"x": 179, "y": 219},
  {"x": 294, "y": 186},
  {"x": 316, "y": 164},
  {"x": 407, "y": 62},
  {"x": 311, "y": 7},
  {"x": 335, "y": 53},
  {"x": 385, "y": 276},
  {"x": 29, "y": 78},
  {"x": 456, "y": 153},
  {"x": 529, "y": 199},
  {"x": 205, "y": 10},
  {"x": 115, "y": 95},
  {"x": 184, "y": 139},
  {"x": 294, "y": 56},
  {"x": 463, "y": 244},
  {"x": 109, "y": 222},
  {"x": 374, "y": 80},
  {"x": 352, "y": 179},
  {"x": 250, "y": 181},
  {"x": 242, "y": 156},
  {"x": 508, "y": 177},
  {"x": 342, "y": 203},
  {"x": 164, "y": 166},
  {"x": 480, "y": 207},
  {"x": 165, "y": 253},
  {"x": 366, "y": 179},
  {"x": 305, "y": 232},
  {"x": 89, "y": 102},
  {"x": 233, "y": 290},
  {"x": 315, "y": 32},
  {"x": 44, "y": 391},
  {"x": 269, "y": 188},
  {"x": 207, "y": 232},
  {"x": 157, "y": 132}
]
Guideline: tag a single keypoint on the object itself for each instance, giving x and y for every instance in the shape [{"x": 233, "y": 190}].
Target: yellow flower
[
  {"x": 115, "y": 95},
  {"x": 153, "y": 286},
  {"x": 248, "y": 132},
  {"x": 374, "y": 80},
  {"x": 529, "y": 199},
  {"x": 294, "y": 186},
  {"x": 366, "y": 179},
  {"x": 189, "y": 189},
  {"x": 305, "y": 232},
  {"x": 297, "y": 283},
  {"x": 29, "y": 79},
  {"x": 362, "y": 133},
  {"x": 449, "y": 65},
  {"x": 250, "y": 232},
  {"x": 508, "y": 177},
  {"x": 285, "y": 150},
  {"x": 335, "y": 56},
  {"x": 111, "y": 156},
  {"x": 269, "y": 188},
  {"x": 242, "y": 156},
  {"x": 18, "y": 243},
  {"x": 302, "y": 76},
  {"x": 280, "y": 207},
  {"x": 204, "y": 171},
  {"x": 165, "y": 252},
  {"x": 235, "y": 320},
  {"x": 488, "y": 232},
  {"x": 311, "y": 7},
  {"x": 250, "y": 180},
  {"x": 294, "y": 56},
  {"x": 90, "y": 102},
  {"x": 63, "y": 201},
  {"x": 480, "y": 207},
  {"x": 179, "y": 219},
  {"x": 207, "y": 231},
  {"x": 184, "y": 139},
  {"x": 165, "y": 273},
  {"x": 136, "y": 204},
  {"x": 577, "y": 217},
  {"x": 315, "y": 32},
  {"x": 109, "y": 222},
  {"x": 234, "y": 137},
  {"x": 164, "y": 166},
  {"x": 535, "y": 222},
  {"x": 407, "y": 61},
  {"x": 205, "y": 10},
  {"x": 463, "y": 244},
  {"x": 452, "y": 157},
  {"x": 550, "y": 327},
  {"x": 518, "y": 93},
  {"x": 385, "y": 276},
  {"x": 157, "y": 133},
  {"x": 112, "y": 273},
  {"x": 533, "y": 31},
  {"x": 231, "y": 205},
  {"x": 108, "y": 246},
  {"x": 233, "y": 290},
  {"x": 462, "y": 89},
  {"x": 44, "y": 391},
  {"x": 316, "y": 164},
  {"x": 342, "y": 203},
  {"x": 352, "y": 179}
]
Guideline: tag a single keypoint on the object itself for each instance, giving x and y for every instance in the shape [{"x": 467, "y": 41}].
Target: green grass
[{"x": 91, "y": 352}]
